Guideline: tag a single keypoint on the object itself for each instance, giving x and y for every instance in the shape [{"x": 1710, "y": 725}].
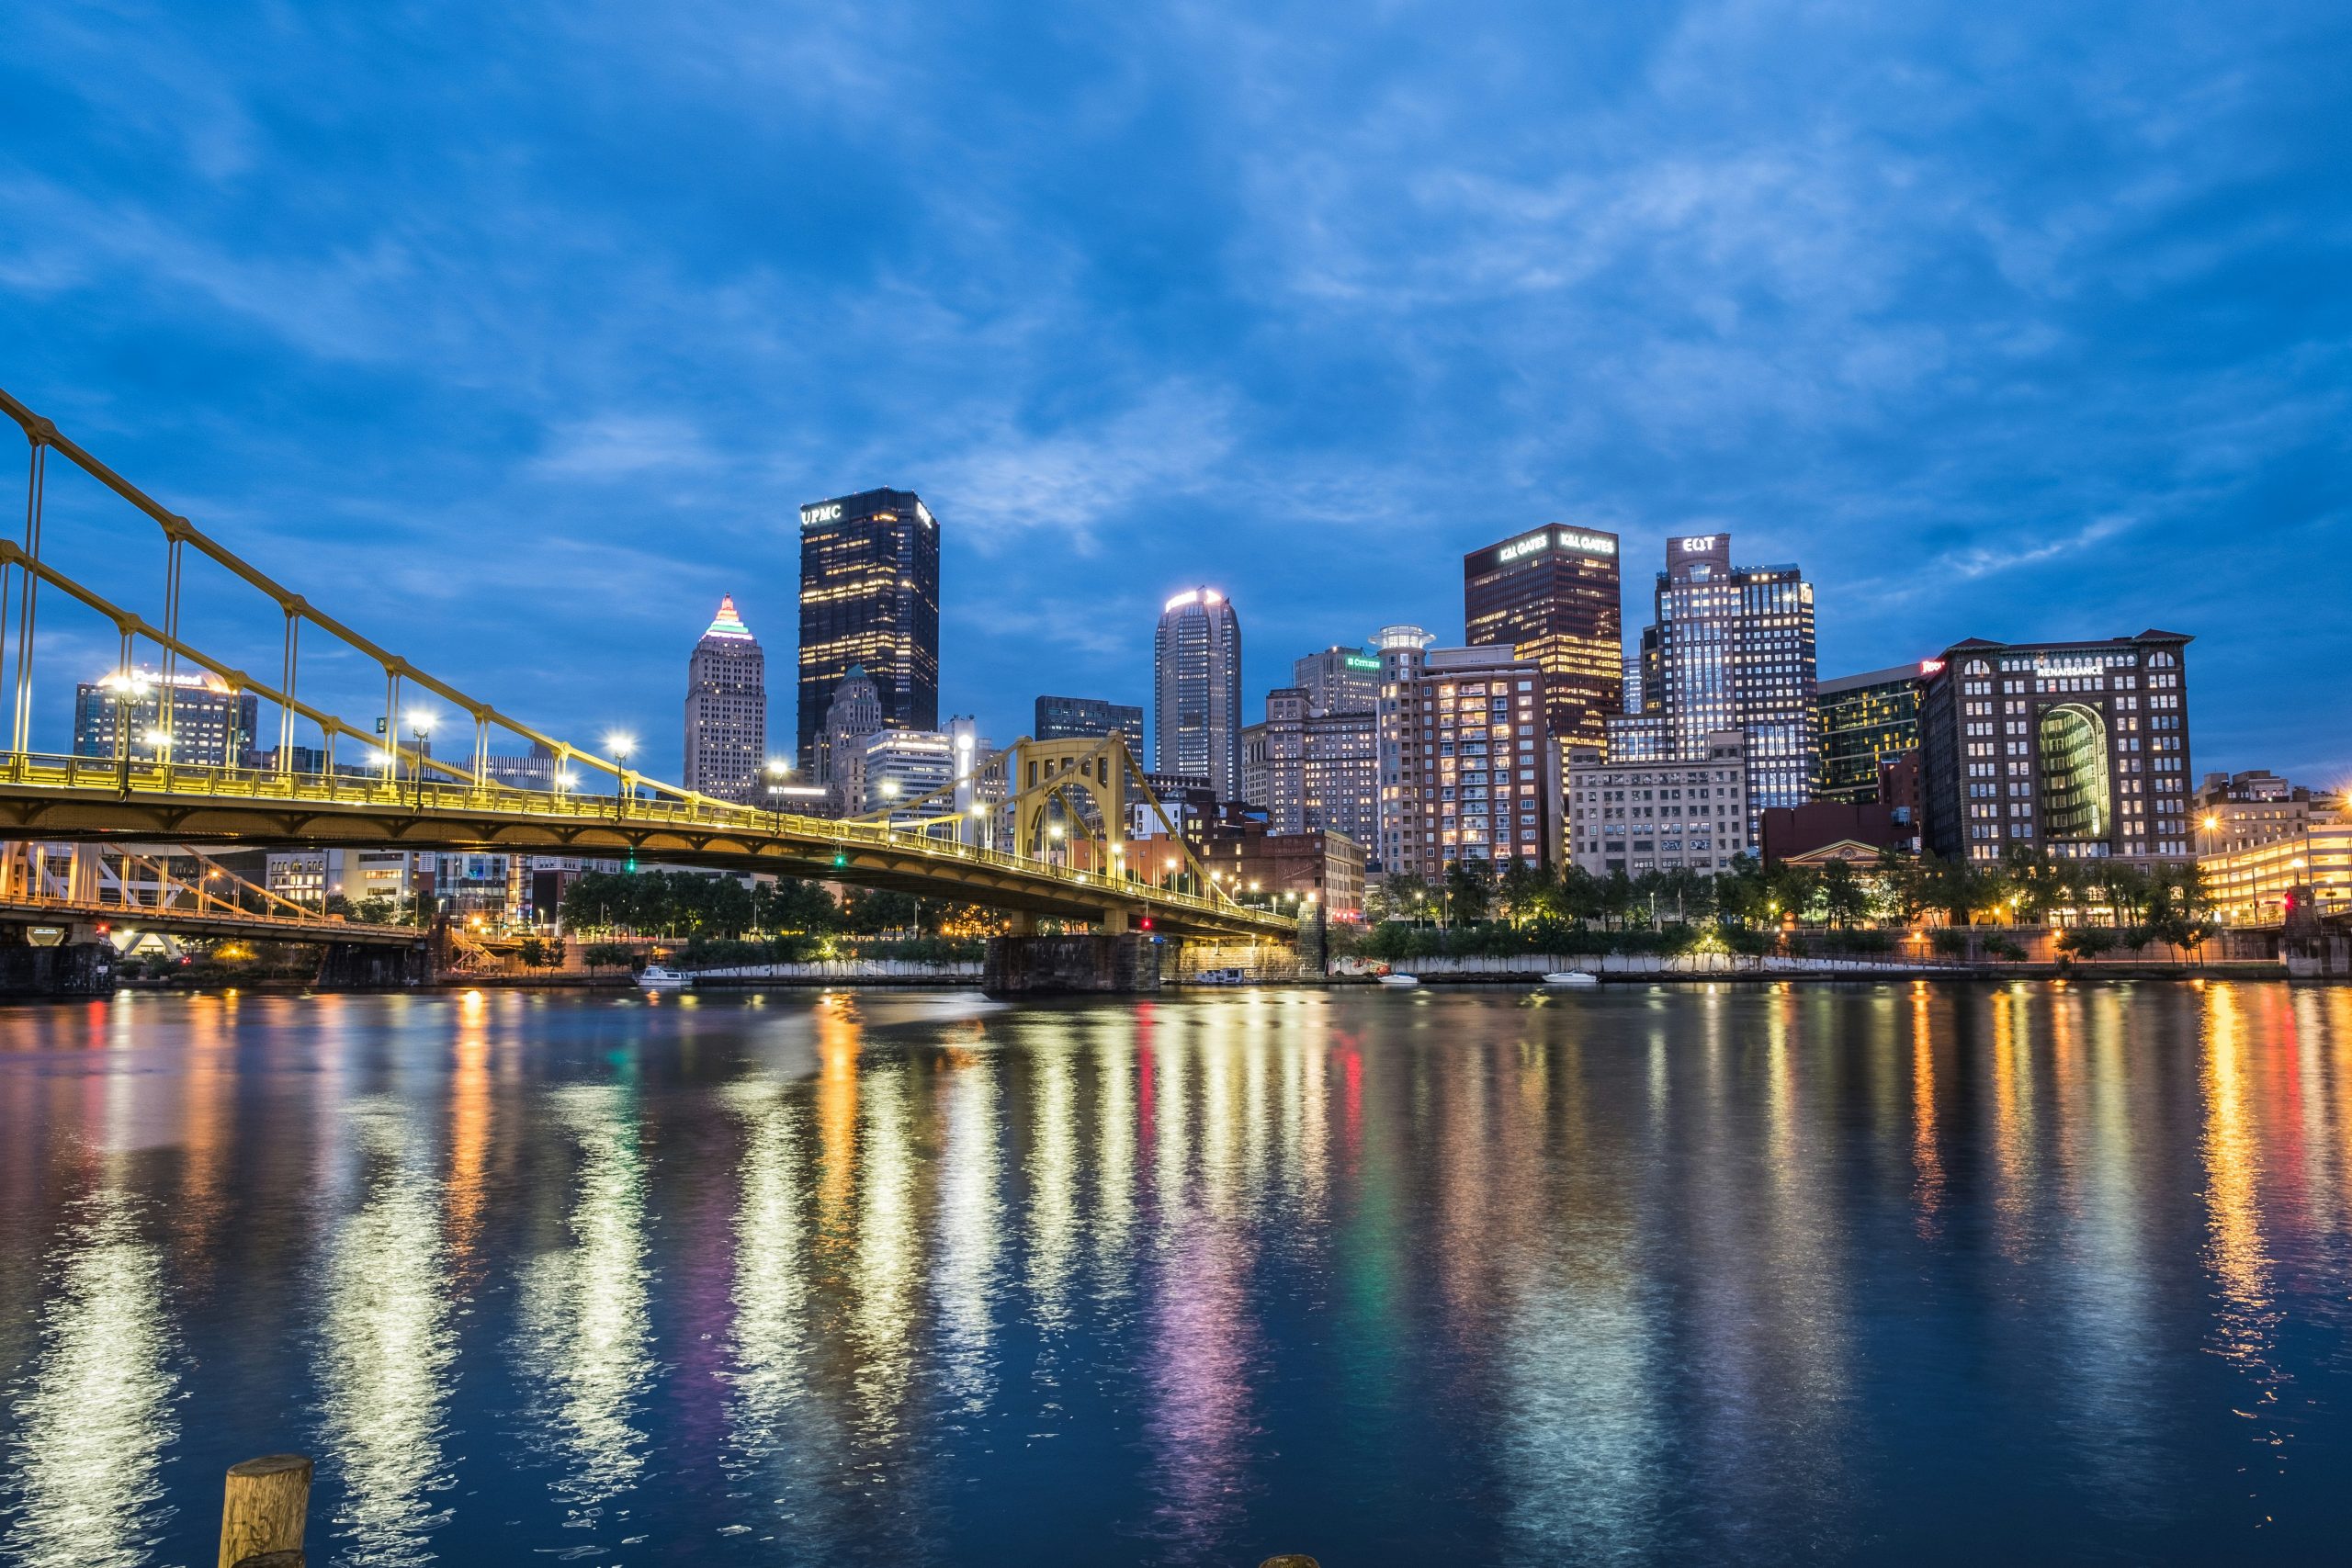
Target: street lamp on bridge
[
  {"x": 778, "y": 771},
  {"x": 420, "y": 729},
  {"x": 125, "y": 688},
  {"x": 620, "y": 745}
]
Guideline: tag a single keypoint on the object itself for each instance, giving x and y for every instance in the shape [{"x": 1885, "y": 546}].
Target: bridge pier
[
  {"x": 1122, "y": 962},
  {"x": 366, "y": 966},
  {"x": 81, "y": 966}
]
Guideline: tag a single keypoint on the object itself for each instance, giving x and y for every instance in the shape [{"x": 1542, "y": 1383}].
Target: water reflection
[
  {"x": 95, "y": 1416},
  {"x": 1728, "y": 1274},
  {"x": 585, "y": 1342},
  {"x": 388, "y": 1342}
]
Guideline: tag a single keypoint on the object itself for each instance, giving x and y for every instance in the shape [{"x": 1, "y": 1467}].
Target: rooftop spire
[{"x": 727, "y": 624}]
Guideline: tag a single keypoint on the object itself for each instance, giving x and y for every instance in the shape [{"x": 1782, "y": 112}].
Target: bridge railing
[{"x": 380, "y": 790}]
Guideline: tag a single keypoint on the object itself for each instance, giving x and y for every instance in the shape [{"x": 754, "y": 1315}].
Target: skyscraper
[
  {"x": 869, "y": 596},
  {"x": 726, "y": 709},
  {"x": 1466, "y": 774},
  {"x": 1865, "y": 720},
  {"x": 1402, "y": 650},
  {"x": 1076, "y": 718},
  {"x": 210, "y": 725},
  {"x": 2079, "y": 749},
  {"x": 1551, "y": 596},
  {"x": 854, "y": 712},
  {"x": 1339, "y": 680},
  {"x": 1733, "y": 648},
  {"x": 1316, "y": 770},
  {"x": 1196, "y": 712}
]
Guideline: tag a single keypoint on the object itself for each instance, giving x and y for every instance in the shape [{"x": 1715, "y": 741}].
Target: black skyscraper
[{"x": 869, "y": 595}]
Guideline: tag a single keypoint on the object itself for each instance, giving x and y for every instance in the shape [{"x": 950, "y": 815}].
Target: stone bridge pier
[
  {"x": 1109, "y": 963},
  {"x": 81, "y": 966},
  {"x": 372, "y": 967}
]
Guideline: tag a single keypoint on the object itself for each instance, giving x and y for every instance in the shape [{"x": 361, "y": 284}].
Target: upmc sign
[{"x": 829, "y": 513}]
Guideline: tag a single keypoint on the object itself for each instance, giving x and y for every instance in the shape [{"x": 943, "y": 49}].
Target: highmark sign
[{"x": 1564, "y": 538}]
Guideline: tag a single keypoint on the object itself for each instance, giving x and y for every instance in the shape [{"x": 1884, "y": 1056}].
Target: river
[{"x": 1929, "y": 1273}]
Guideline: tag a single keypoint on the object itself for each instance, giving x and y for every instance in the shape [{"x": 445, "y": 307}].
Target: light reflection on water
[
  {"x": 585, "y": 1344},
  {"x": 89, "y": 1427},
  {"x": 387, "y": 1347},
  {"x": 1842, "y": 1274}
]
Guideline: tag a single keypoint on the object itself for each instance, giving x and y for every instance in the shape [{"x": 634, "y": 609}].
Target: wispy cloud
[{"x": 1971, "y": 316}]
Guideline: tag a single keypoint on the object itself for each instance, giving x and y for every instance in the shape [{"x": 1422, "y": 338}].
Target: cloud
[
  {"x": 1085, "y": 478},
  {"x": 621, "y": 445}
]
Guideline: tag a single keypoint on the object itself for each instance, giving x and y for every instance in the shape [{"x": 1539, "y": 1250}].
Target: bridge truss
[{"x": 378, "y": 784}]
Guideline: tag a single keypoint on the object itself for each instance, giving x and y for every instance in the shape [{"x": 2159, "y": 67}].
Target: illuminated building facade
[
  {"x": 1688, "y": 812},
  {"x": 1315, "y": 770},
  {"x": 1555, "y": 596},
  {"x": 2252, "y": 881},
  {"x": 1474, "y": 779},
  {"x": 1076, "y": 718},
  {"x": 854, "y": 712},
  {"x": 2240, "y": 811},
  {"x": 2077, "y": 748},
  {"x": 1400, "y": 649},
  {"x": 1196, "y": 712},
  {"x": 210, "y": 725},
  {"x": 900, "y": 767},
  {"x": 1864, "y": 721},
  {"x": 869, "y": 598},
  {"x": 727, "y": 710},
  {"x": 1289, "y": 872},
  {"x": 1339, "y": 680},
  {"x": 1731, "y": 647}
]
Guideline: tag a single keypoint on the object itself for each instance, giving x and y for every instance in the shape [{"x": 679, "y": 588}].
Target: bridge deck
[
  {"x": 45, "y": 796},
  {"x": 170, "y": 921}
]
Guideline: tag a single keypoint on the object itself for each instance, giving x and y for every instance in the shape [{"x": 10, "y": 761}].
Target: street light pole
[
  {"x": 777, "y": 773},
  {"x": 620, "y": 746},
  {"x": 420, "y": 727},
  {"x": 124, "y": 687}
]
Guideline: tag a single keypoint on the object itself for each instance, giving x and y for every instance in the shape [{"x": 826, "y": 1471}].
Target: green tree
[
  {"x": 1467, "y": 891},
  {"x": 1579, "y": 895},
  {"x": 1399, "y": 895},
  {"x": 1523, "y": 892},
  {"x": 1844, "y": 898},
  {"x": 789, "y": 904},
  {"x": 1740, "y": 892},
  {"x": 1616, "y": 898}
]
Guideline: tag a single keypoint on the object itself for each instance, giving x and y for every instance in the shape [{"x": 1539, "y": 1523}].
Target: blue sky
[{"x": 515, "y": 333}]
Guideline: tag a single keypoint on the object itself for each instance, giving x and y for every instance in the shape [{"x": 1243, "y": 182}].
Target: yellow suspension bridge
[{"x": 396, "y": 796}]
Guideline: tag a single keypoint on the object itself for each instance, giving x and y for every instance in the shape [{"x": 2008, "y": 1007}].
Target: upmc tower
[
  {"x": 869, "y": 595},
  {"x": 1553, "y": 595}
]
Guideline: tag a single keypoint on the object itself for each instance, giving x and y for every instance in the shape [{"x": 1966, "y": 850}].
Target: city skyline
[{"x": 1988, "y": 373}]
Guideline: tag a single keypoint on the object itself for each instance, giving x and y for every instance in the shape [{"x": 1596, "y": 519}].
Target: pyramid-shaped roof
[{"x": 726, "y": 625}]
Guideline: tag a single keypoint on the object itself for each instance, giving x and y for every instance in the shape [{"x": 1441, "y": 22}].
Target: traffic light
[
  {"x": 840, "y": 858},
  {"x": 1147, "y": 922}
]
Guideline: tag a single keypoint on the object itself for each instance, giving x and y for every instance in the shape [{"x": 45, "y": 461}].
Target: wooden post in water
[
  {"x": 262, "y": 1511},
  {"x": 1291, "y": 1559}
]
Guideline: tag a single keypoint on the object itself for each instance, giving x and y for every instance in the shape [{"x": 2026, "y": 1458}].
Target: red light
[{"x": 1147, "y": 922}]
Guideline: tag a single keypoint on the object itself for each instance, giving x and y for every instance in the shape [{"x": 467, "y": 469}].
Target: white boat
[
  {"x": 1572, "y": 977},
  {"x": 653, "y": 978},
  {"x": 1400, "y": 981}
]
